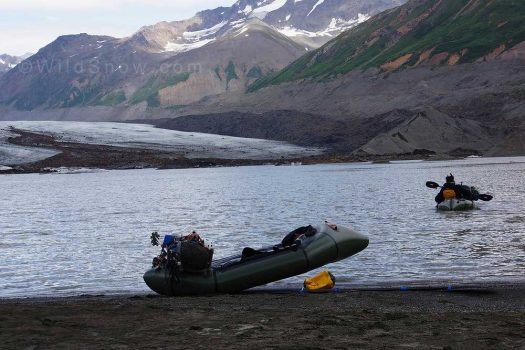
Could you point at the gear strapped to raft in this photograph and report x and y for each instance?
(187, 253)
(191, 254)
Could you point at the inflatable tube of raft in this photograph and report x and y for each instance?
(230, 275)
(456, 204)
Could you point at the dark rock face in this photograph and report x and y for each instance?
(399, 132)
(292, 126)
(396, 132)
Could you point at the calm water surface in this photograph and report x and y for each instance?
(89, 233)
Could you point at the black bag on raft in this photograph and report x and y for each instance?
(290, 238)
(194, 257)
(467, 192)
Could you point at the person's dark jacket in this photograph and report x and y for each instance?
(462, 192)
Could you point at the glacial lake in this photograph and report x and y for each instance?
(88, 233)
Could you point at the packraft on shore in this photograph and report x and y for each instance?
(185, 267)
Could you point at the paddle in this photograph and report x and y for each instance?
(486, 197)
(431, 184)
(483, 197)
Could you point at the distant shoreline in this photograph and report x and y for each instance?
(79, 155)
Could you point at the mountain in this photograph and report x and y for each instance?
(8, 62)
(420, 33)
(173, 64)
(460, 63)
(72, 70)
(79, 70)
(227, 65)
(428, 77)
(310, 22)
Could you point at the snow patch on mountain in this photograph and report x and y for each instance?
(333, 29)
(238, 24)
(199, 34)
(339, 24)
(194, 39)
(247, 10)
(178, 48)
(320, 2)
(262, 11)
(294, 32)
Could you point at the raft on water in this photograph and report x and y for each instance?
(456, 204)
(303, 250)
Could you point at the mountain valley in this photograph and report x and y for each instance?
(394, 79)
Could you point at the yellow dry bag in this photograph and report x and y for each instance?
(322, 281)
(449, 194)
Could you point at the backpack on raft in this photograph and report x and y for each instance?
(189, 254)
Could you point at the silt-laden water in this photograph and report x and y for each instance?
(89, 233)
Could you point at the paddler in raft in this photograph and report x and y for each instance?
(450, 190)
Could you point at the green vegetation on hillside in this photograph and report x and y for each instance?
(255, 73)
(113, 99)
(462, 31)
(150, 91)
(77, 97)
(230, 72)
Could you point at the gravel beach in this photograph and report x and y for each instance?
(468, 319)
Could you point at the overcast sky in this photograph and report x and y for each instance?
(28, 25)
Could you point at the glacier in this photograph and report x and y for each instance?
(141, 136)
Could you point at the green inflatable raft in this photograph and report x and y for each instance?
(456, 204)
(303, 250)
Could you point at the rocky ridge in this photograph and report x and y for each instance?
(85, 70)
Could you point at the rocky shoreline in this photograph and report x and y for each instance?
(80, 155)
(468, 319)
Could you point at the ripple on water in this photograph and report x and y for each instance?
(89, 232)
(515, 220)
